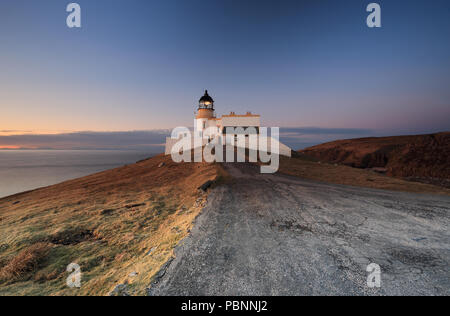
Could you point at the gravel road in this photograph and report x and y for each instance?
(280, 235)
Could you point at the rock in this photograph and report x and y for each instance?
(163, 269)
(151, 250)
(157, 278)
(133, 274)
(205, 186)
(134, 205)
(106, 212)
(162, 164)
(120, 290)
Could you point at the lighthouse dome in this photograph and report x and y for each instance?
(206, 102)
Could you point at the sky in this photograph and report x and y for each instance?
(306, 66)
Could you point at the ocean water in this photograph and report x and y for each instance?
(23, 170)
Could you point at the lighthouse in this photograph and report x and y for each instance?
(208, 127)
(205, 118)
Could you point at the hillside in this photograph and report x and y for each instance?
(119, 225)
(422, 157)
(305, 168)
(122, 225)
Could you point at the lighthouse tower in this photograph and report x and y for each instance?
(205, 117)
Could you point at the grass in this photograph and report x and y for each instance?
(311, 169)
(107, 223)
(125, 220)
(24, 262)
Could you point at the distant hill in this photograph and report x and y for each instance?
(421, 157)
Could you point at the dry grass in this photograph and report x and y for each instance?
(112, 223)
(124, 220)
(340, 174)
(416, 156)
(25, 262)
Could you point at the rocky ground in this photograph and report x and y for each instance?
(280, 235)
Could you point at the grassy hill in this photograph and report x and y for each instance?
(421, 157)
(119, 225)
(309, 168)
(122, 225)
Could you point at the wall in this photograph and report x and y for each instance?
(283, 149)
(241, 121)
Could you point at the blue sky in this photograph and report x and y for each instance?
(142, 65)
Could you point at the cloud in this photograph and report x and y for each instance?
(12, 131)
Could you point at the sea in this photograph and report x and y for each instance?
(23, 170)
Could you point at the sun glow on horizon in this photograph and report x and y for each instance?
(34, 132)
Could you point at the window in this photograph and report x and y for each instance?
(204, 125)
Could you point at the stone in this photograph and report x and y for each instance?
(151, 250)
(107, 212)
(205, 186)
(120, 290)
(159, 275)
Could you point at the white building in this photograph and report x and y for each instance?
(208, 127)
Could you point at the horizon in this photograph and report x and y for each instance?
(154, 140)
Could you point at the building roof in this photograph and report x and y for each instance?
(248, 114)
(206, 98)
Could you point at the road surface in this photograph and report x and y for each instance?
(280, 235)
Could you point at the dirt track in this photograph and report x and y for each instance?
(279, 235)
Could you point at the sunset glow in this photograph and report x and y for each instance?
(9, 147)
